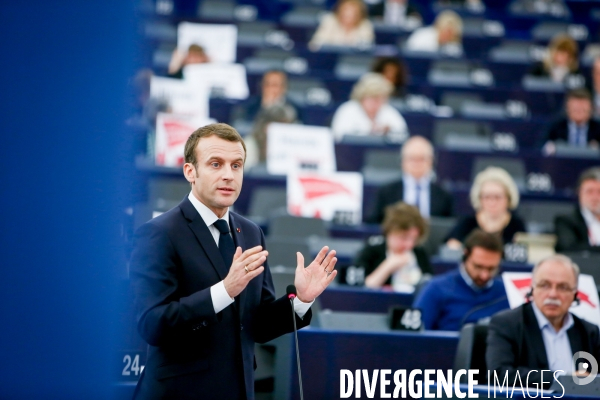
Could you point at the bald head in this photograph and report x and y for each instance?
(417, 157)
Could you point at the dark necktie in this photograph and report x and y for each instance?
(418, 196)
(226, 246)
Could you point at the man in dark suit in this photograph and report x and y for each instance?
(577, 128)
(416, 186)
(204, 292)
(580, 230)
(542, 334)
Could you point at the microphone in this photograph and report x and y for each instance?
(291, 294)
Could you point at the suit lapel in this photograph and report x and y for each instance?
(575, 338)
(205, 238)
(536, 341)
(238, 240)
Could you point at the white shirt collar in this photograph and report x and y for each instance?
(206, 213)
(543, 321)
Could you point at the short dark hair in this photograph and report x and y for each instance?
(401, 217)
(581, 94)
(220, 130)
(402, 77)
(488, 241)
(590, 174)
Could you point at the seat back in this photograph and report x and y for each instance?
(470, 353)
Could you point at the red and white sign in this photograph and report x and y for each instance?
(172, 131)
(292, 148)
(518, 285)
(219, 41)
(336, 195)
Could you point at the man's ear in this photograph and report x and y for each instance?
(189, 172)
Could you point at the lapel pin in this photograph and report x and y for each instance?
(239, 230)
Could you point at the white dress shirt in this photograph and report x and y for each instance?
(409, 195)
(593, 226)
(218, 293)
(558, 347)
(351, 119)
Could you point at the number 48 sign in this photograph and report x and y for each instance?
(405, 319)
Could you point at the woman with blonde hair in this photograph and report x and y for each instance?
(396, 258)
(494, 195)
(368, 111)
(348, 25)
(446, 31)
(561, 60)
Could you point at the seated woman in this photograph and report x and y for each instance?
(194, 55)
(394, 70)
(561, 60)
(444, 34)
(493, 194)
(395, 258)
(348, 25)
(368, 111)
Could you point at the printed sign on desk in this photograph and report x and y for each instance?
(518, 285)
(226, 80)
(172, 131)
(182, 97)
(330, 196)
(293, 148)
(218, 41)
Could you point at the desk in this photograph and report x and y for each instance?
(348, 298)
(324, 353)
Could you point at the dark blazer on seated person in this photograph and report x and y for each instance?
(572, 233)
(194, 353)
(441, 203)
(373, 254)
(515, 344)
(559, 131)
(467, 224)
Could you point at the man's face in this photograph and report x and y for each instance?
(482, 265)
(417, 160)
(554, 288)
(579, 110)
(217, 178)
(399, 242)
(273, 87)
(589, 195)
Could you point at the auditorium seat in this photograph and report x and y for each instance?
(470, 353)
(539, 215)
(438, 229)
(266, 202)
(288, 226)
(514, 166)
(222, 10)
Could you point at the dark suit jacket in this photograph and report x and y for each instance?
(560, 131)
(572, 233)
(441, 203)
(515, 344)
(193, 352)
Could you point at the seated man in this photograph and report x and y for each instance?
(468, 294)
(580, 230)
(542, 334)
(416, 186)
(577, 128)
(273, 93)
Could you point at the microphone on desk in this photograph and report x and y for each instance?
(291, 294)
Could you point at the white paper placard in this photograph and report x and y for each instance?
(518, 285)
(329, 196)
(172, 131)
(230, 79)
(218, 41)
(292, 147)
(183, 97)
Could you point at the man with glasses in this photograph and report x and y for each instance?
(542, 334)
(468, 294)
(416, 186)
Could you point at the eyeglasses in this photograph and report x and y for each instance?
(496, 197)
(561, 288)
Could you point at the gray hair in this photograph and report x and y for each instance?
(371, 84)
(560, 258)
(590, 174)
(499, 175)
